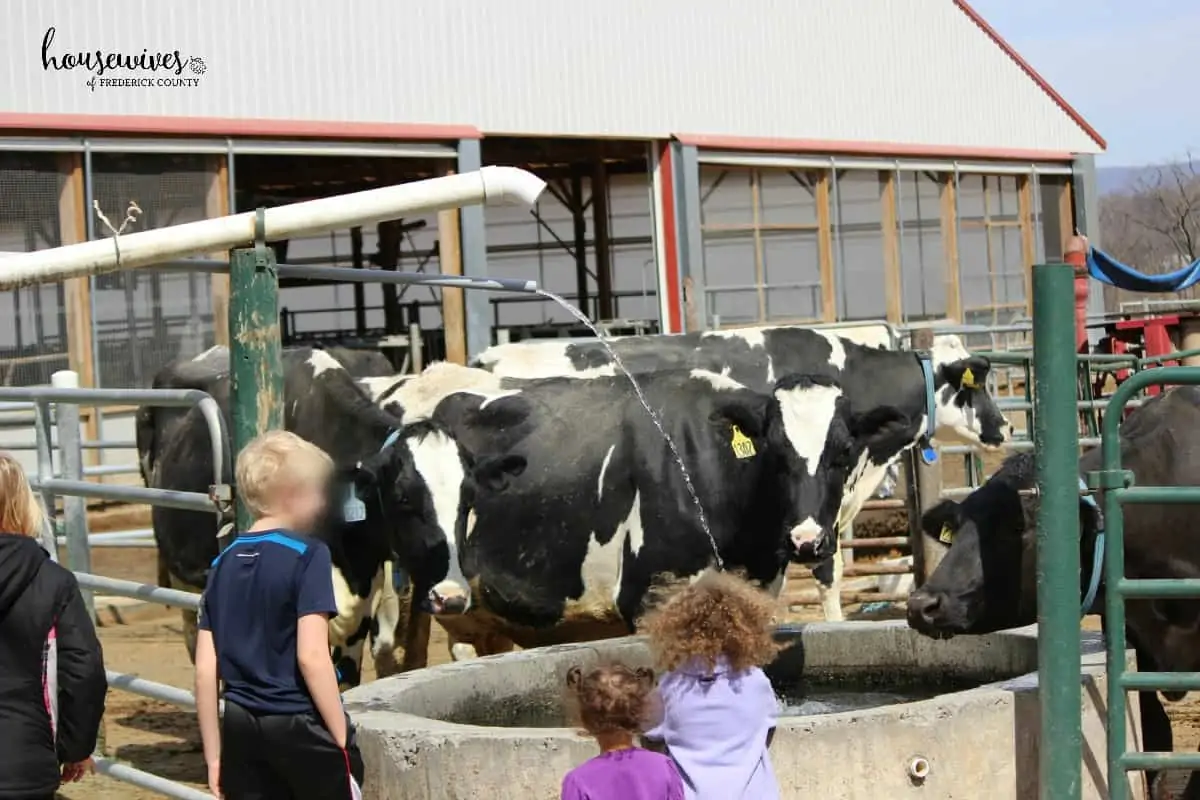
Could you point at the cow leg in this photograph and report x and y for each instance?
(416, 639)
(829, 586)
(191, 627)
(389, 614)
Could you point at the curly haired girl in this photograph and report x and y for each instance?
(719, 710)
(614, 704)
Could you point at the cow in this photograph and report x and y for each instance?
(413, 480)
(946, 397)
(362, 363)
(569, 548)
(986, 580)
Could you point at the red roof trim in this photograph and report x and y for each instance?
(879, 149)
(217, 126)
(1031, 72)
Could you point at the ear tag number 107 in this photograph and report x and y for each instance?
(741, 444)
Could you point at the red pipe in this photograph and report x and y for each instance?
(1076, 256)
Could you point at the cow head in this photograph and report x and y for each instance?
(964, 409)
(987, 580)
(424, 484)
(812, 441)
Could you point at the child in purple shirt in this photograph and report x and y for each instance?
(614, 703)
(718, 707)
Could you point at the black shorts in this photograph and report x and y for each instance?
(285, 757)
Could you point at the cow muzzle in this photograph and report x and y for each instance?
(449, 598)
(925, 611)
(811, 542)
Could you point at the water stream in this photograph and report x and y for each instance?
(654, 417)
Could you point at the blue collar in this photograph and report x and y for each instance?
(1097, 552)
(928, 454)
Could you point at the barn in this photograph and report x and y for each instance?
(820, 161)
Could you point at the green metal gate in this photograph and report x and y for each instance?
(1056, 438)
(1119, 491)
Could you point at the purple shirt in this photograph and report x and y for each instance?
(633, 774)
(715, 726)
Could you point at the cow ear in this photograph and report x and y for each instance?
(494, 473)
(747, 414)
(574, 677)
(967, 373)
(942, 521)
(881, 426)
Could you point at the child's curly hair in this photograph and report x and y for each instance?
(613, 698)
(718, 615)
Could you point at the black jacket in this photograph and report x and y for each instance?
(52, 683)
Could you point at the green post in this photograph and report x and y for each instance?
(255, 352)
(1056, 442)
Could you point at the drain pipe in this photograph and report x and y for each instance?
(918, 768)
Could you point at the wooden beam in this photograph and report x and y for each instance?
(760, 267)
(949, 225)
(1028, 243)
(77, 292)
(454, 317)
(825, 248)
(893, 281)
(216, 204)
(1066, 214)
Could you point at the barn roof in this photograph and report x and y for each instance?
(886, 75)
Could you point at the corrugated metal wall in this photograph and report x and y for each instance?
(897, 71)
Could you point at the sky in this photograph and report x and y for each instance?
(1128, 66)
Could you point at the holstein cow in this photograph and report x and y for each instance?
(414, 483)
(568, 549)
(987, 579)
(943, 397)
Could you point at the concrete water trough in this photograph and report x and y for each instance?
(874, 711)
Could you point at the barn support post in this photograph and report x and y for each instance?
(358, 261)
(675, 190)
(453, 301)
(255, 357)
(217, 204)
(923, 483)
(473, 252)
(579, 226)
(602, 240)
(1056, 443)
(1085, 196)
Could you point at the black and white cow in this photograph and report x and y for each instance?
(987, 580)
(569, 549)
(414, 480)
(947, 401)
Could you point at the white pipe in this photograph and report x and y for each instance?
(492, 185)
(918, 768)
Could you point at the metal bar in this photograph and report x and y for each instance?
(138, 495)
(1056, 437)
(256, 352)
(1157, 588)
(112, 469)
(145, 780)
(1160, 681)
(488, 185)
(142, 591)
(166, 398)
(1159, 495)
(882, 541)
(155, 691)
(143, 544)
(45, 473)
(1156, 761)
(79, 555)
(877, 569)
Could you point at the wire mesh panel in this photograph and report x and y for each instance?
(144, 319)
(33, 328)
(992, 265)
(922, 249)
(859, 243)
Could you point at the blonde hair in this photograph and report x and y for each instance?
(20, 511)
(275, 461)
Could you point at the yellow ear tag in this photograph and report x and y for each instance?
(742, 446)
(946, 536)
(968, 379)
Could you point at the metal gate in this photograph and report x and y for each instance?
(1119, 490)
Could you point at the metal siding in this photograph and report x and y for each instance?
(895, 71)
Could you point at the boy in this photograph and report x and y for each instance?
(264, 632)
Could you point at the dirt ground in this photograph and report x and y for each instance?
(147, 640)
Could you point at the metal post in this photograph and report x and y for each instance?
(1056, 442)
(75, 523)
(45, 472)
(255, 357)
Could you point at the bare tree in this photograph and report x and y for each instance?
(1154, 226)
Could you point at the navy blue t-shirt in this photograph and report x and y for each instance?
(258, 589)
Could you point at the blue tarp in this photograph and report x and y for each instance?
(1107, 269)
